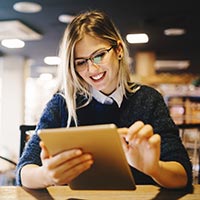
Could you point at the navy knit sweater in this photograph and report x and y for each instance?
(147, 105)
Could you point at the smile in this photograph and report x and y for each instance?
(98, 76)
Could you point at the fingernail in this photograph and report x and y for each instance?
(90, 162)
(78, 152)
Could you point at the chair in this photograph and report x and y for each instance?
(190, 134)
(7, 176)
(24, 136)
(7, 169)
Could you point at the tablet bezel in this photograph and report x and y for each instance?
(110, 170)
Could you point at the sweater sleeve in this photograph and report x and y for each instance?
(148, 105)
(53, 116)
(172, 148)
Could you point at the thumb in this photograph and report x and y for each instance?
(122, 133)
(44, 152)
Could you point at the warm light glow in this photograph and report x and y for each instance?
(137, 38)
(27, 7)
(52, 60)
(46, 77)
(13, 43)
(64, 18)
(172, 64)
(174, 31)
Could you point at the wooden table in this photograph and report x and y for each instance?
(65, 193)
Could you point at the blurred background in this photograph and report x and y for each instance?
(165, 56)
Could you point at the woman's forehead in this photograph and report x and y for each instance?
(89, 44)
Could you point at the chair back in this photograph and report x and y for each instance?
(24, 136)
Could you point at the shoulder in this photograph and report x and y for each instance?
(151, 92)
(54, 114)
(56, 104)
(147, 97)
(146, 92)
(57, 98)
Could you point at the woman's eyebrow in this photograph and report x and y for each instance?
(90, 54)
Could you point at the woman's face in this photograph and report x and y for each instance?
(97, 63)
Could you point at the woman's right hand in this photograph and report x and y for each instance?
(62, 168)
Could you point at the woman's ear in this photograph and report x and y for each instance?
(119, 50)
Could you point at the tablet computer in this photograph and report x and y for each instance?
(110, 170)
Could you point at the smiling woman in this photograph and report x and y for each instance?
(96, 89)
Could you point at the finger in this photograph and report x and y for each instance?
(44, 152)
(64, 156)
(72, 164)
(122, 131)
(133, 130)
(144, 133)
(78, 160)
(68, 175)
(80, 169)
(154, 141)
(67, 171)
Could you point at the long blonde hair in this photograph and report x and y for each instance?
(96, 24)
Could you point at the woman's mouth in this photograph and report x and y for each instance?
(98, 76)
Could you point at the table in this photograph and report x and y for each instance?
(143, 192)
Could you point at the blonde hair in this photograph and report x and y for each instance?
(96, 24)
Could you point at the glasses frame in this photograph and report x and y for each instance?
(91, 58)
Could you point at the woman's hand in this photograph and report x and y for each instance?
(62, 168)
(142, 150)
(141, 147)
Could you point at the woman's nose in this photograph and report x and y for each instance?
(92, 66)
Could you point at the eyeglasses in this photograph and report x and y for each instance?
(97, 58)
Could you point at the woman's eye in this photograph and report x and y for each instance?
(80, 63)
(99, 57)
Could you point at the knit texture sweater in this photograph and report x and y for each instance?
(146, 104)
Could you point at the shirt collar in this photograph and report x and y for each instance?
(116, 96)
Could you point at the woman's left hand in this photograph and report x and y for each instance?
(141, 147)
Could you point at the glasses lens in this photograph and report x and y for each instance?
(99, 58)
(81, 63)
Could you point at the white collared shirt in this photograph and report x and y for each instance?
(116, 96)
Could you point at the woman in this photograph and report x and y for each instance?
(97, 90)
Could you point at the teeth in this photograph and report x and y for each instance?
(97, 77)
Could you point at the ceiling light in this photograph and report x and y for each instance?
(52, 60)
(16, 29)
(12, 43)
(172, 64)
(27, 7)
(174, 31)
(46, 76)
(137, 38)
(65, 18)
